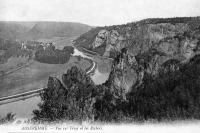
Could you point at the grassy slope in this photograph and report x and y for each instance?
(13, 63)
(35, 76)
(36, 30)
(60, 42)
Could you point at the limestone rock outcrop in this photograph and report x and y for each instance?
(100, 38)
(150, 44)
(110, 39)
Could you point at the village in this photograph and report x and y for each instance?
(36, 44)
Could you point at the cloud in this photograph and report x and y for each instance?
(95, 12)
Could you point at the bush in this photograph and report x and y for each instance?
(72, 102)
(7, 119)
(171, 95)
(53, 56)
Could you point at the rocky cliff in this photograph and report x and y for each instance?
(146, 46)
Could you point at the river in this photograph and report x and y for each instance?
(97, 77)
(24, 108)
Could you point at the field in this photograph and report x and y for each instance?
(12, 64)
(60, 42)
(36, 75)
(2, 52)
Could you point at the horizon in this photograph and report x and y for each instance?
(36, 21)
(95, 12)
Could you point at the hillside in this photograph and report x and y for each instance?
(143, 47)
(154, 76)
(40, 30)
(172, 95)
(55, 29)
(11, 30)
(136, 35)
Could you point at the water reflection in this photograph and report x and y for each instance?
(98, 77)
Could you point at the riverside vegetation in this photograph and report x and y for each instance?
(154, 76)
(172, 95)
(27, 56)
(49, 55)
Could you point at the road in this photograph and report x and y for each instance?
(94, 53)
(94, 64)
(25, 95)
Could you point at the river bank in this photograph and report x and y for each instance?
(91, 70)
(92, 53)
(28, 94)
(36, 76)
(29, 100)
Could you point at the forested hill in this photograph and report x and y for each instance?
(56, 29)
(136, 36)
(39, 30)
(144, 47)
(154, 76)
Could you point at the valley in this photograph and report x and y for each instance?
(134, 72)
(21, 68)
(36, 76)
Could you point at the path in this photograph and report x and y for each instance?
(28, 93)
(94, 53)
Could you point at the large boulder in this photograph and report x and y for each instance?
(149, 43)
(159, 44)
(111, 40)
(100, 38)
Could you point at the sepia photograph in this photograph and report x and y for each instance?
(99, 66)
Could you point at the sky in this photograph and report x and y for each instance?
(95, 12)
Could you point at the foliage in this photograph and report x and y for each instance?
(13, 49)
(141, 35)
(68, 49)
(7, 119)
(173, 94)
(72, 102)
(6, 44)
(53, 56)
(86, 39)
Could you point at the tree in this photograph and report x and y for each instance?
(72, 102)
(7, 119)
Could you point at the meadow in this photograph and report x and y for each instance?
(36, 75)
(59, 42)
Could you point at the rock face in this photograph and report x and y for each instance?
(123, 75)
(110, 39)
(148, 45)
(100, 38)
